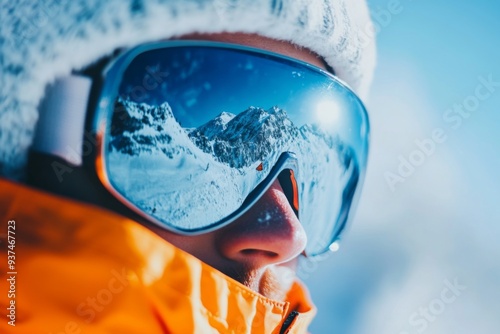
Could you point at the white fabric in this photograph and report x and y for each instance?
(43, 40)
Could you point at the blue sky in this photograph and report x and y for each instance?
(195, 83)
(441, 225)
(448, 45)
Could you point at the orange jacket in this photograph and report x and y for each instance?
(80, 269)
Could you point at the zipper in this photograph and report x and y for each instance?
(288, 322)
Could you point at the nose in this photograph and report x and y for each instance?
(269, 233)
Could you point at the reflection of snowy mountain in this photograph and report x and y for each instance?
(216, 126)
(251, 136)
(141, 128)
(236, 140)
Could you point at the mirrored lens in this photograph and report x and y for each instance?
(194, 130)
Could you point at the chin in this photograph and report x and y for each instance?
(277, 282)
(273, 282)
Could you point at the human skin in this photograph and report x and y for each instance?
(262, 256)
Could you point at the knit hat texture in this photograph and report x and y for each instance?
(44, 40)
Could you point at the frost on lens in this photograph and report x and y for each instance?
(194, 177)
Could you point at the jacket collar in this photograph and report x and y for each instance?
(91, 247)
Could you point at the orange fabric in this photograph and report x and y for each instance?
(81, 269)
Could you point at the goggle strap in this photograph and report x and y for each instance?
(61, 122)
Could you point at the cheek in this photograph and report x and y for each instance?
(200, 246)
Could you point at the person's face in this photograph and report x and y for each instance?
(261, 248)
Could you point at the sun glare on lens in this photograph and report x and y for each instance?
(334, 247)
(327, 112)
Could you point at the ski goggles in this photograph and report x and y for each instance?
(192, 134)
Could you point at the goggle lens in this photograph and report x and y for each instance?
(194, 133)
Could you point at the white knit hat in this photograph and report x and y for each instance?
(43, 40)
